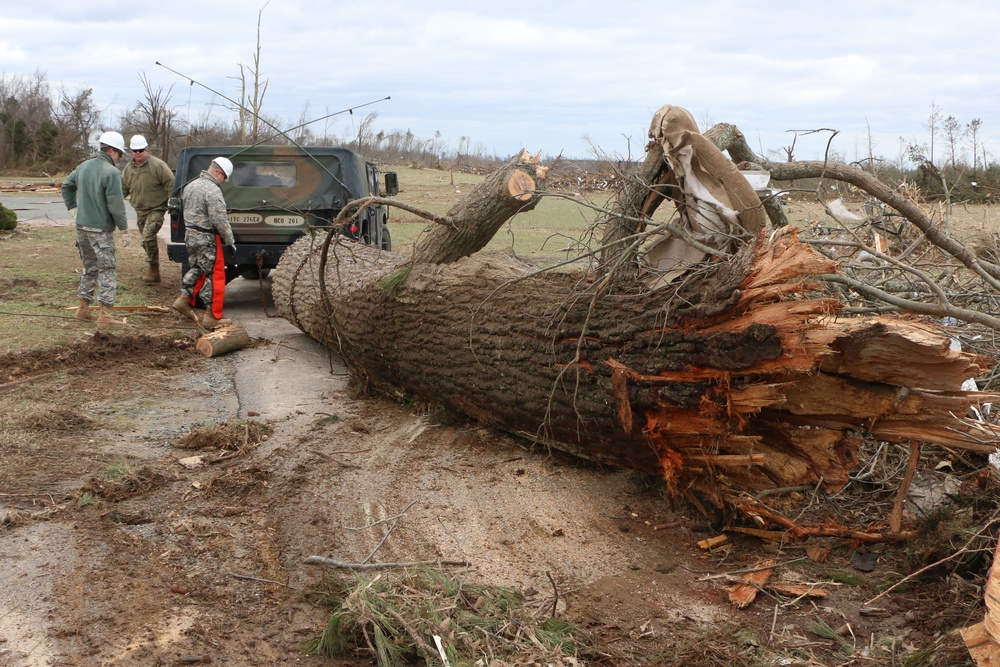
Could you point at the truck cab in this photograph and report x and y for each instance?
(277, 194)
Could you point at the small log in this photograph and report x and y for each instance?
(132, 309)
(713, 542)
(221, 341)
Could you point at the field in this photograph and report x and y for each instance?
(118, 548)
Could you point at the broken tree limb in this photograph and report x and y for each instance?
(330, 562)
(729, 138)
(475, 219)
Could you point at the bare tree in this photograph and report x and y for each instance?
(255, 99)
(152, 116)
(26, 116)
(933, 122)
(870, 145)
(972, 131)
(365, 134)
(952, 133)
(78, 116)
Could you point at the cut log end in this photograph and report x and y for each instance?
(520, 186)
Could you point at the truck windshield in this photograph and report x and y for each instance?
(263, 174)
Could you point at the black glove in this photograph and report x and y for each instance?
(232, 247)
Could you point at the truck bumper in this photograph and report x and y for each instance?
(246, 254)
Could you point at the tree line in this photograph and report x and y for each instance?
(48, 129)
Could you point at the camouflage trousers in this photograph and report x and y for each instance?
(150, 223)
(205, 281)
(97, 251)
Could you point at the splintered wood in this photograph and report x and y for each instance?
(743, 593)
(983, 639)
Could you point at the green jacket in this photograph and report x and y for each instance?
(94, 189)
(147, 186)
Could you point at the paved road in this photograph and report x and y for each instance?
(43, 208)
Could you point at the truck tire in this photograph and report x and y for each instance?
(386, 240)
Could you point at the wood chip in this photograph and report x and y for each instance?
(744, 593)
(713, 542)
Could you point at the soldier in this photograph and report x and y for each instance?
(93, 195)
(206, 230)
(146, 184)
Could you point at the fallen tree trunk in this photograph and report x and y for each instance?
(735, 381)
(725, 369)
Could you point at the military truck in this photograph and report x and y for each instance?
(276, 194)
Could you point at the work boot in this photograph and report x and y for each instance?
(210, 321)
(152, 273)
(83, 311)
(106, 317)
(181, 305)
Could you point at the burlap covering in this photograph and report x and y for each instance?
(715, 203)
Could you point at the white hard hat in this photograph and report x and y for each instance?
(225, 165)
(113, 139)
(138, 143)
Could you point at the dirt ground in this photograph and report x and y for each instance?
(113, 552)
(149, 518)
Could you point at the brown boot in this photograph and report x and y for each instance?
(83, 311)
(181, 305)
(209, 321)
(107, 317)
(152, 273)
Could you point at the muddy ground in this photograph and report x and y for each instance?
(158, 507)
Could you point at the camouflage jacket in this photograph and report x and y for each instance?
(94, 189)
(147, 186)
(205, 208)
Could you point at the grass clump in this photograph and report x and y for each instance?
(396, 619)
(8, 219)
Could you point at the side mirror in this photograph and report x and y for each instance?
(391, 184)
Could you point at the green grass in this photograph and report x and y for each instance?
(117, 471)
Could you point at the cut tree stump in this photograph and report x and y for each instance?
(223, 340)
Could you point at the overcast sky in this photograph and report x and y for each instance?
(559, 77)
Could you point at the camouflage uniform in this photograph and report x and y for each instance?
(206, 231)
(94, 189)
(147, 187)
